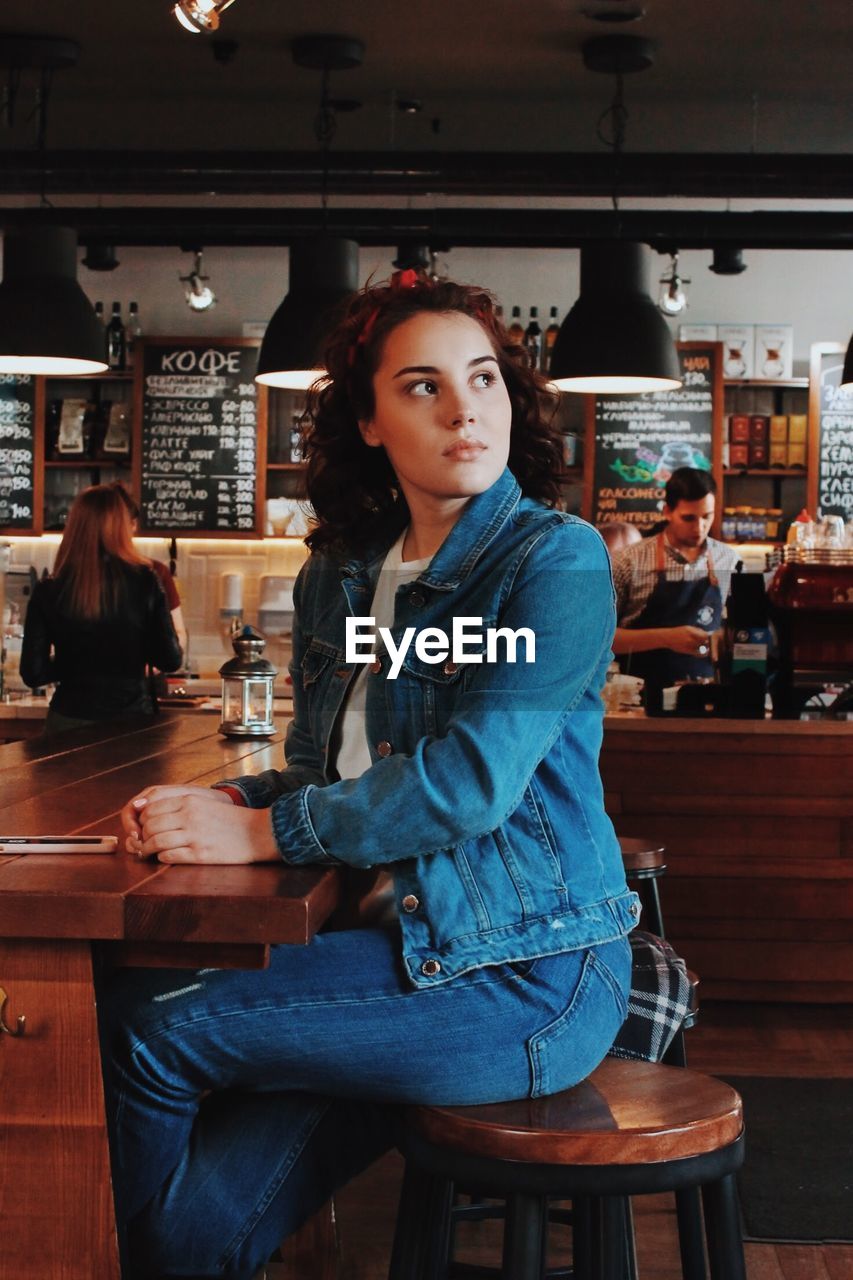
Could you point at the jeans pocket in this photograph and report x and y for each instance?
(573, 1044)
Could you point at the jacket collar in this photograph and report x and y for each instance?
(466, 542)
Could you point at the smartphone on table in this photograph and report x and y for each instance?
(58, 844)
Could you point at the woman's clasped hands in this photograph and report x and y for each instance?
(196, 824)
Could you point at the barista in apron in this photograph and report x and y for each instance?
(694, 602)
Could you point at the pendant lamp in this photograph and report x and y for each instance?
(847, 371)
(323, 276)
(614, 339)
(47, 324)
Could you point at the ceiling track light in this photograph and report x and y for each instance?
(199, 295)
(673, 300)
(200, 15)
(727, 261)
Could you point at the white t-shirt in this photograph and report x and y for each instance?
(353, 752)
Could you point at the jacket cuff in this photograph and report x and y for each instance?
(294, 832)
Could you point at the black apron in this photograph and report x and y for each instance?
(679, 602)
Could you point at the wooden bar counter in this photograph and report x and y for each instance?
(757, 819)
(56, 1213)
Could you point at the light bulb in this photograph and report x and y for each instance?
(673, 299)
(200, 15)
(200, 296)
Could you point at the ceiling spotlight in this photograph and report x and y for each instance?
(673, 299)
(100, 257)
(199, 295)
(727, 261)
(200, 15)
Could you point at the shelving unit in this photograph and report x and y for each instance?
(782, 488)
(65, 477)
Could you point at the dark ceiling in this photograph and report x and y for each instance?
(745, 99)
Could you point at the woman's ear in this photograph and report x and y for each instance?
(368, 433)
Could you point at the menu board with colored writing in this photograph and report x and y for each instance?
(17, 451)
(635, 442)
(198, 409)
(830, 488)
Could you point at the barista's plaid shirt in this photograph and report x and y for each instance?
(635, 573)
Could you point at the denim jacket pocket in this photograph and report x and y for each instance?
(596, 1012)
(317, 661)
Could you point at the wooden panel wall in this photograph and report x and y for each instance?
(758, 825)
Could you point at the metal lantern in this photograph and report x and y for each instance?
(247, 688)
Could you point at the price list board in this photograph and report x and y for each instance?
(635, 442)
(19, 451)
(201, 438)
(830, 471)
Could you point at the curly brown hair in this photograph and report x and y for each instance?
(351, 486)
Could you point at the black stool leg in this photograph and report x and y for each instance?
(653, 908)
(421, 1235)
(525, 1237)
(688, 1207)
(723, 1230)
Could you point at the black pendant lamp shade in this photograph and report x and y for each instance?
(323, 275)
(47, 324)
(614, 339)
(847, 372)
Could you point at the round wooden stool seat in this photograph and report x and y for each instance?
(624, 1113)
(631, 1128)
(642, 856)
(643, 860)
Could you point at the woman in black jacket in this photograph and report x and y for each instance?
(93, 627)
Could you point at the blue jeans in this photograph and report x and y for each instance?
(240, 1100)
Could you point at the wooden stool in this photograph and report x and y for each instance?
(630, 1128)
(644, 862)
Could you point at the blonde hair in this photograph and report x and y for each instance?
(96, 544)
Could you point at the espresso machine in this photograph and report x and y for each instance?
(811, 606)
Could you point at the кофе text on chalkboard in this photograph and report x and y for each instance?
(16, 450)
(639, 440)
(831, 428)
(199, 437)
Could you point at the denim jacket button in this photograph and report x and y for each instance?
(376, 667)
(634, 910)
(417, 599)
(410, 902)
(450, 668)
(384, 748)
(430, 968)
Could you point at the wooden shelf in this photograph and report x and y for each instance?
(285, 466)
(87, 464)
(784, 383)
(765, 471)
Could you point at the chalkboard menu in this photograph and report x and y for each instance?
(635, 442)
(199, 457)
(17, 450)
(830, 487)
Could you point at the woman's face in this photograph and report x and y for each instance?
(442, 411)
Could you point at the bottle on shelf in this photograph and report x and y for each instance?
(99, 312)
(516, 328)
(116, 342)
(133, 332)
(550, 338)
(533, 339)
(296, 438)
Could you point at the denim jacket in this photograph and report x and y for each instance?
(484, 793)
